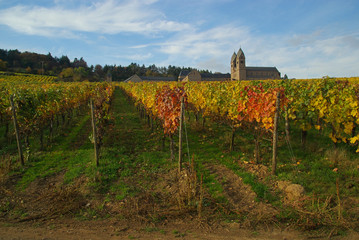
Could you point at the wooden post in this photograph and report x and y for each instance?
(172, 148)
(151, 119)
(94, 131)
(275, 134)
(180, 137)
(303, 138)
(163, 142)
(19, 147)
(41, 139)
(203, 121)
(51, 129)
(256, 150)
(287, 126)
(6, 134)
(200, 198)
(339, 202)
(231, 147)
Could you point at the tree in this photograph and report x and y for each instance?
(13, 57)
(3, 65)
(98, 71)
(79, 63)
(80, 74)
(67, 74)
(64, 62)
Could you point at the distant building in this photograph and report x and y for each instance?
(239, 70)
(136, 78)
(109, 76)
(194, 75)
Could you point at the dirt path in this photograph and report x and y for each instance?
(110, 229)
(114, 229)
(242, 198)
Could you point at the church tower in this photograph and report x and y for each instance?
(238, 66)
(234, 75)
(241, 62)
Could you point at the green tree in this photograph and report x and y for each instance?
(3, 65)
(67, 74)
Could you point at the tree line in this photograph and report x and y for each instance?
(78, 69)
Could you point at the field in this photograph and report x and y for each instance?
(225, 186)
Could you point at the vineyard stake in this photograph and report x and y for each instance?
(17, 131)
(303, 139)
(340, 216)
(180, 137)
(94, 131)
(231, 148)
(275, 134)
(287, 126)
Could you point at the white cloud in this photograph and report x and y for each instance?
(212, 63)
(139, 57)
(315, 54)
(108, 17)
(302, 39)
(217, 43)
(321, 55)
(310, 54)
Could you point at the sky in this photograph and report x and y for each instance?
(302, 38)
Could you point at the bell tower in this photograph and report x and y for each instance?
(238, 66)
(241, 63)
(234, 66)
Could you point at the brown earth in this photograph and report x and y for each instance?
(50, 209)
(47, 209)
(115, 229)
(242, 198)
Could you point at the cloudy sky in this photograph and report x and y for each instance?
(302, 38)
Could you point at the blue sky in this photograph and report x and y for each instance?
(302, 38)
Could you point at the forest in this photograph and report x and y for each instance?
(78, 69)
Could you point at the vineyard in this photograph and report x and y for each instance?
(98, 151)
(25, 78)
(37, 107)
(329, 105)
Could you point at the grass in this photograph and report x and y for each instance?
(211, 147)
(60, 157)
(214, 187)
(313, 166)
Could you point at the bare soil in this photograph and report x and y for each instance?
(47, 209)
(110, 229)
(114, 229)
(242, 198)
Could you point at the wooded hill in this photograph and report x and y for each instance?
(78, 69)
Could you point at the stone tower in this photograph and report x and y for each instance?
(234, 74)
(238, 66)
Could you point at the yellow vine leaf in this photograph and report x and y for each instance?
(354, 139)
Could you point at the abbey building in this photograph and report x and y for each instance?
(239, 70)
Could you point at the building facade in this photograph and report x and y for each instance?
(194, 75)
(135, 78)
(239, 70)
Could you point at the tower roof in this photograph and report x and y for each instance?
(240, 53)
(233, 56)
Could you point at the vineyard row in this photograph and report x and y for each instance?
(321, 104)
(38, 106)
